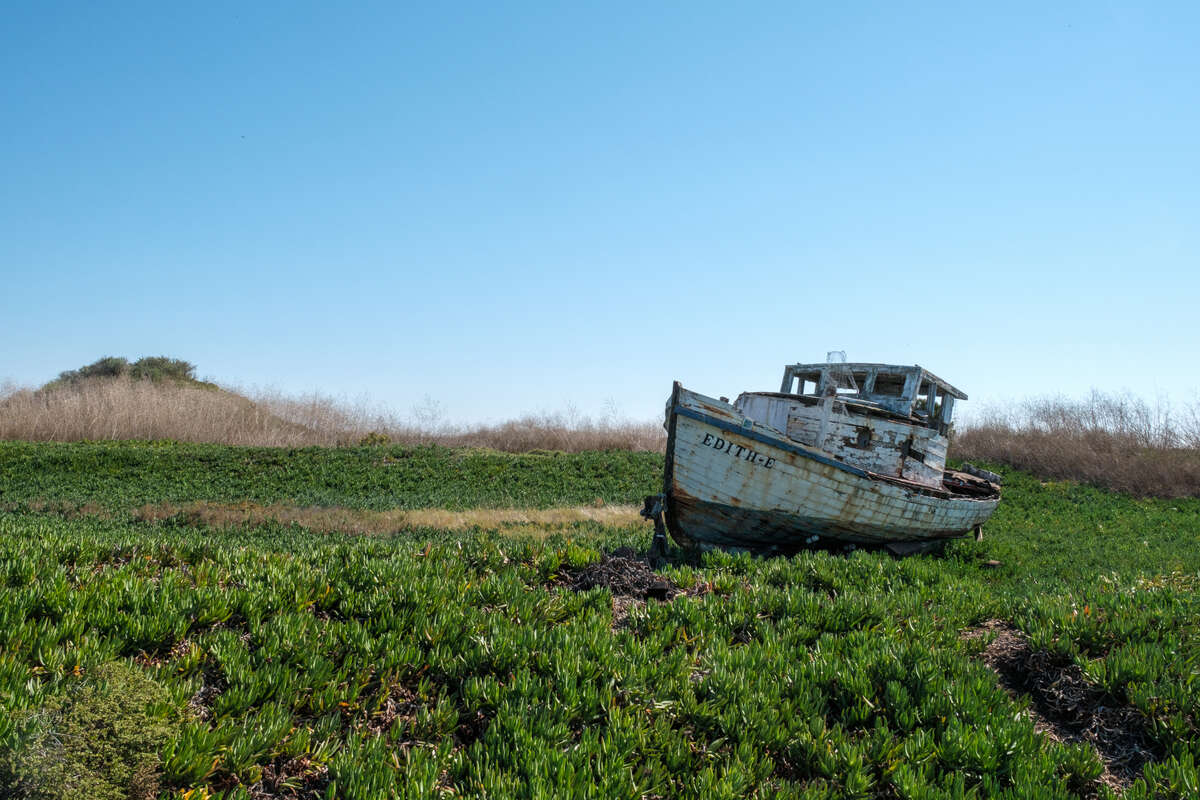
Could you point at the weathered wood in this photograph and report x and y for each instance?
(872, 380)
(801, 423)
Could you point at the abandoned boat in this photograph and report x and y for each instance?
(844, 454)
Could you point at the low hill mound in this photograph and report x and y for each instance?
(155, 397)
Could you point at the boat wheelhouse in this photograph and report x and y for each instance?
(890, 420)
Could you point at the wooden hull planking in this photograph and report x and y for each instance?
(735, 483)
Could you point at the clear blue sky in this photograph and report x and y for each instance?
(513, 207)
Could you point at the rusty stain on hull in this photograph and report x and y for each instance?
(732, 480)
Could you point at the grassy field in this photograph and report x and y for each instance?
(522, 659)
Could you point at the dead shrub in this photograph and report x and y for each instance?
(549, 432)
(1117, 442)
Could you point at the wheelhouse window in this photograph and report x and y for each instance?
(889, 385)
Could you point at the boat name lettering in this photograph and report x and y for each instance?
(737, 450)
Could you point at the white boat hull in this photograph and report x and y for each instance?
(731, 482)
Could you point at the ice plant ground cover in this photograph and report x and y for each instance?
(122, 475)
(527, 660)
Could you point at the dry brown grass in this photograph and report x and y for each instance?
(327, 519)
(346, 520)
(549, 432)
(1118, 442)
(124, 409)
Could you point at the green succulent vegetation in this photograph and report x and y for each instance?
(120, 475)
(437, 663)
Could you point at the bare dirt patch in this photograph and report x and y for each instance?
(1066, 706)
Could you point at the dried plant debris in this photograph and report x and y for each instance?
(401, 702)
(623, 573)
(628, 576)
(291, 779)
(1066, 706)
(212, 685)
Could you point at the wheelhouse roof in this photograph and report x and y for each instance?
(813, 370)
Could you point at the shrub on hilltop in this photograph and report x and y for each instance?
(156, 369)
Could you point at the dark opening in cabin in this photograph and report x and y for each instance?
(889, 385)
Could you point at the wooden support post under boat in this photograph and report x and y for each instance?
(652, 509)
